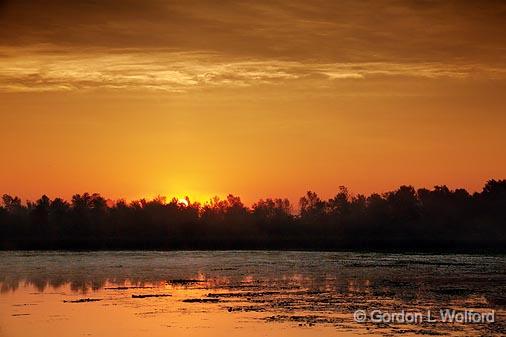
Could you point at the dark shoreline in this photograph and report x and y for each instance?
(405, 220)
(499, 249)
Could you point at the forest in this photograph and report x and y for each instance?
(437, 219)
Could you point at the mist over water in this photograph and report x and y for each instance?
(276, 290)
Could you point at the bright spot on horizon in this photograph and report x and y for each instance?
(183, 202)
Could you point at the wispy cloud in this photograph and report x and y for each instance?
(175, 46)
(43, 70)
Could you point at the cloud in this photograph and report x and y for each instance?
(47, 69)
(177, 46)
(327, 31)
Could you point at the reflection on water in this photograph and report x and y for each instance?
(248, 293)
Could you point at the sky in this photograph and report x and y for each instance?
(260, 99)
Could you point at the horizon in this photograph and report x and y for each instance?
(201, 198)
(185, 200)
(401, 219)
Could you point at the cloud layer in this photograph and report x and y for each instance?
(37, 70)
(176, 46)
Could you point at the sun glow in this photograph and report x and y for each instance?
(183, 202)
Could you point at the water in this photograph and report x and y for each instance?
(242, 293)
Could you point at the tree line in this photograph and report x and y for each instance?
(403, 219)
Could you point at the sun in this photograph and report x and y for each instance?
(183, 202)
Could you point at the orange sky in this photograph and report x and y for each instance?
(134, 99)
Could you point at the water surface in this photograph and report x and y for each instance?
(242, 293)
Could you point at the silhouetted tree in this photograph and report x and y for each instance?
(404, 218)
